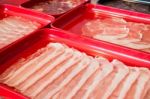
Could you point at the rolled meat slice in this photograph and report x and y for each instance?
(105, 70)
(138, 45)
(27, 69)
(70, 75)
(20, 65)
(56, 72)
(143, 84)
(46, 68)
(125, 86)
(121, 72)
(68, 92)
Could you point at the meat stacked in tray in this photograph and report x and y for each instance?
(59, 72)
(119, 31)
(15, 27)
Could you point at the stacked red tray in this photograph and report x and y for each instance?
(67, 31)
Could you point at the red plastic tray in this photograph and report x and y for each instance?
(13, 2)
(30, 3)
(6, 10)
(73, 21)
(92, 47)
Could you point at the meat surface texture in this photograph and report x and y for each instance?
(14, 27)
(57, 71)
(119, 31)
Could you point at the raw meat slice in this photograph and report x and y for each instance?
(55, 73)
(46, 69)
(138, 45)
(21, 74)
(97, 92)
(112, 39)
(15, 27)
(64, 79)
(142, 84)
(110, 27)
(58, 49)
(139, 88)
(75, 88)
(121, 72)
(118, 31)
(72, 88)
(84, 88)
(147, 96)
(92, 27)
(102, 60)
(114, 20)
(11, 21)
(11, 70)
(116, 34)
(105, 70)
(126, 84)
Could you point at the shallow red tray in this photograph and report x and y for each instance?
(73, 21)
(30, 3)
(92, 47)
(6, 10)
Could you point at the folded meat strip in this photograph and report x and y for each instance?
(121, 91)
(27, 69)
(76, 83)
(118, 31)
(65, 79)
(20, 65)
(139, 89)
(105, 69)
(84, 88)
(92, 79)
(53, 51)
(56, 72)
(147, 96)
(138, 45)
(129, 81)
(142, 84)
(31, 91)
(15, 27)
(99, 89)
(121, 72)
(68, 94)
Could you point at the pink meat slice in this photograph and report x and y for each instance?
(77, 86)
(125, 86)
(14, 27)
(110, 27)
(121, 72)
(100, 88)
(89, 81)
(114, 20)
(27, 69)
(84, 88)
(49, 56)
(23, 26)
(11, 71)
(46, 68)
(143, 84)
(68, 86)
(22, 23)
(147, 96)
(138, 45)
(61, 82)
(105, 70)
(92, 27)
(56, 72)
(139, 89)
